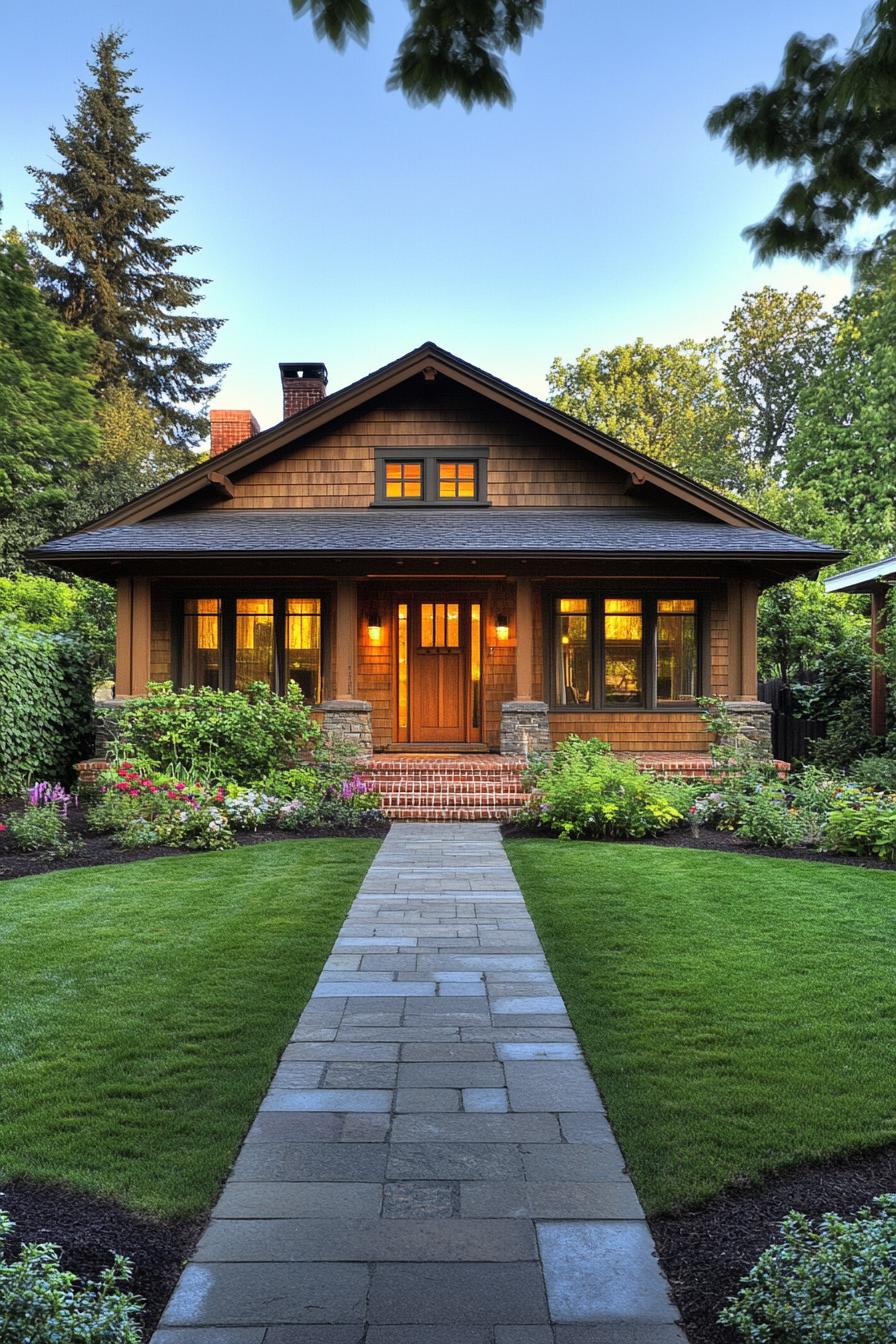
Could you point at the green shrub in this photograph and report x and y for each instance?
(830, 1283)
(142, 810)
(862, 822)
(39, 830)
(231, 737)
(766, 819)
(41, 1303)
(46, 706)
(875, 772)
(592, 794)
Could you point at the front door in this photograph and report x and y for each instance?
(444, 664)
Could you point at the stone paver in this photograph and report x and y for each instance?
(432, 1163)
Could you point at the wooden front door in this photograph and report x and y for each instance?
(443, 669)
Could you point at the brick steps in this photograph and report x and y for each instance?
(447, 788)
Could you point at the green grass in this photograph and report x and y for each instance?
(143, 1008)
(739, 1012)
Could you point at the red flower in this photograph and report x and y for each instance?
(180, 786)
(135, 793)
(122, 786)
(170, 793)
(2, 825)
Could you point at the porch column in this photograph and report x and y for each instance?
(133, 637)
(878, 675)
(524, 639)
(753, 717)
(345, 719)
(346, 638)
(524, 722)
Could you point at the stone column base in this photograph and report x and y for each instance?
(349, 723)
(754, 725)
(524, 728)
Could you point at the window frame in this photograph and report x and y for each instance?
(649, 596)
(431, 459)
(280, 595)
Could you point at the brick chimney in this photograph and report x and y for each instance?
(230, 428)
(303, 386)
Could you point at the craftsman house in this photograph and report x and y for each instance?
(443, 564)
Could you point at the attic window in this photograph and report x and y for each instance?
(431, 476)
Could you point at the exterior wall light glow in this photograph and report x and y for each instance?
(374, 628)
(502, 626)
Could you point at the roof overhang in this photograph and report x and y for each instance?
(864, 578)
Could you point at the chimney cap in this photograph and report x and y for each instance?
(299, 370)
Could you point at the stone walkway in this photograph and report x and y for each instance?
(432, 1163)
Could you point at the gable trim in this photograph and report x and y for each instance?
(427, 358)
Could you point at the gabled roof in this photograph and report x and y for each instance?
(630, 533)
(645, 470)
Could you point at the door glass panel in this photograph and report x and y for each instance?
(303, 645)
(440, 625)
(573, 651)
(201, 665)
(403, 666)
(676, 650)
(476, 663)
(254, 641)
(623, 658)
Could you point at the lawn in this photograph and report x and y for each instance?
(739, 1012)
(143, 1008)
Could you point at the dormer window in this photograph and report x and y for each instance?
(431, 476)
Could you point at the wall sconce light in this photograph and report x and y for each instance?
(374, 628)
(502, 627)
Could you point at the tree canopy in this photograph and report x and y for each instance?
(668, 401)
(831, 120)
(104, 264)
(47, 427)
(452, 47)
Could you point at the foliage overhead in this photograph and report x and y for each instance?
(78, 607)
(47, 429)
(452, 47)
(106, 266)
(668, 401)
(831, 120)
(774, 345)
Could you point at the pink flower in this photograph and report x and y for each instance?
(180, 786)
(170, 793)
(135, 793)
(122, 786)
(2, 825)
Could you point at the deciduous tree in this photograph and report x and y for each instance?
(830, 120)
(452, 47)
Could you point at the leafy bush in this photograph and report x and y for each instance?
(226, 736)
(41, 1303)
(830, 1283)
(767, 819)
(875, 772)
(46, 706)
(587, 793)
(78, 607)
(862, 822)
(38, 830)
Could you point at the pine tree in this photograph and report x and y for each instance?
(107, 266)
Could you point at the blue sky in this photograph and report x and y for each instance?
(338, 223)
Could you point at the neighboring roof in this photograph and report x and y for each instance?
(863, 578)
(431, 357)
(410, 531)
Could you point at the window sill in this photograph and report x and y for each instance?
(686, 707)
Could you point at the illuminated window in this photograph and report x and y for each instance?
(476, 664)
(676, 650)
(573, 651)
(202, 642)
(303, 645)
(623, 652)
(254, 641)
(404, 480)
(403, 667)
(457, 480)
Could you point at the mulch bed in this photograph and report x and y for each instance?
(92, 1230)
(721, 841)
(705, 1252)
(100, 849)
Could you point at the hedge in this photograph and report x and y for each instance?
(46, 706)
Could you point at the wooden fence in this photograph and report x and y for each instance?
(791, 735)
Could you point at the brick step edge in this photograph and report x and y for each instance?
(449, 813)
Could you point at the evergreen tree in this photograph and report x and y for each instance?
(48, 433)
(107, 266)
